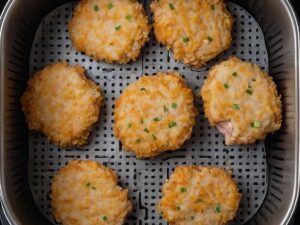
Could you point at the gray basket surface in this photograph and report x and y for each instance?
(144, 178)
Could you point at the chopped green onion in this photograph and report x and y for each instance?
(256, 124)
(172, 124)
(171, 6)
(104, 218)
(236, 106)
(94, 188)
(88, 184)
(142, 121)
(165, 109)
(226, 86)
(129, 125)
(209, 39)
(177, 208)
(154, 137)
(218, 209)
(174, 105)
(156, 119)
(249, 91)
(117, 28)
(96, 8)
(143, 89)
(138, 141)
(234, 74)
(254, 79)
(128, 17)
(185, 39)
(110, 5)
(199, 200)
(249, 86)
(146, 130)
(192, 217)
(213, 7)
(183, 189)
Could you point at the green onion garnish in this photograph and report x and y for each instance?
(192, 217)
(154, 137)
(165, 109)
(199, 200)
(171, 6)
(185, 39)
(256, 124)
(129, 125)
(104, 218)
(174, 105)
(218, 209)
(183, 189)
(178, 208)
(254, 79)
(142, 121)
(249, 91)
(94, 188)
(110, 5)
(143, 89)
(156, 119)
(226, 86)
(172, 124)
(138, 141)
(236, 106)
(117, 28)
(249, 86)
(234, 74)
(146, 130)
(209, 39)
(128, 17)
(213, 7)
(88, 184)
(96, 8)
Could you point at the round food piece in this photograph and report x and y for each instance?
(242, 101)
(109, 30)
(199, 195)
(155, 114)
(62, 103)
(196, 31)
(86, 192)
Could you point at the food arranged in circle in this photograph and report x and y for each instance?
(86, 192)
(109, 30)
(241, 100)
(196, 31)
(61, 102)
(155, 114)
(199, 195)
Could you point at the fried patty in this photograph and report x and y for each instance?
(242, 101)
(86, 192)
(62, 103)
(199, 195)
(109, 30)
(155, 114)
(196, 31)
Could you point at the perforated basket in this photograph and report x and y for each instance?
(34, 34)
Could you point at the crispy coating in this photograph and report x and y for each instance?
(196, 195)
(62, 103)
(86, 192)
(196, 31)
(242, 101)
(110, 30)
(155, 114)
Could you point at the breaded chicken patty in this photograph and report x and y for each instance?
(196, 31)
(62, 103)
(242, 101)
(86, 192)
(199, 195)
(155, 114)
(109, 30)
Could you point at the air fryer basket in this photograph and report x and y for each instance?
(19, 24)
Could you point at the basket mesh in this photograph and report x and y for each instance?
(144, 178)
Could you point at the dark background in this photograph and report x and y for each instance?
(296, 4)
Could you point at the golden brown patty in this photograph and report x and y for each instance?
(62, 103)
(155, 114)
(199, 195)
(242, 101)
(110, 30)
(86, 192)
(196, 31)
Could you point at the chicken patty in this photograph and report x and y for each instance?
(62, 103)
(155, 114)
(196, 31)
(109, 30)
(86, 192)
(242, 101)
(199, 195)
